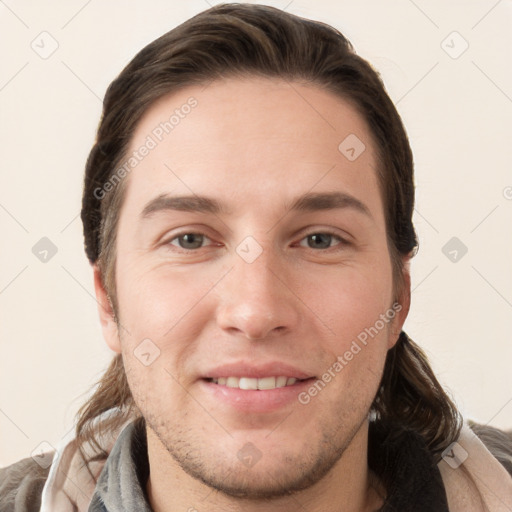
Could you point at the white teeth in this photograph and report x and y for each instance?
(267, 383)
(247, 383)
(250, 383)
(281, 382)
(232, 382)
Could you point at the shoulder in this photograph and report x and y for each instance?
(21, 485)
(474, 469)
(498, 442)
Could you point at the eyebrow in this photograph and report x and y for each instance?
(308, 202)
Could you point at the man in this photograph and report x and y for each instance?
(247, 212)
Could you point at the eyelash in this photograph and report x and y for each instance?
(341, 241)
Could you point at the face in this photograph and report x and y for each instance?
(254, 283)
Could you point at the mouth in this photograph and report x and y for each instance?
(256, 384)
(248, 388)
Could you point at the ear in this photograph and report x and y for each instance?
(402, 304)
(106, 313)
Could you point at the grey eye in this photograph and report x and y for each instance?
(319, 240)
(190, 240)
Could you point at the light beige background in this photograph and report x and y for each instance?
(458, 113)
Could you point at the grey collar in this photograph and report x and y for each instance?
(121, 486)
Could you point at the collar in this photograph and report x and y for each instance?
(122, 483)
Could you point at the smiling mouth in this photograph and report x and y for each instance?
(251, 383)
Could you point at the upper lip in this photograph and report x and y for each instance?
(256, 371)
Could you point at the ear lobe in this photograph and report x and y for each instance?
(404, 302)
(106, 313)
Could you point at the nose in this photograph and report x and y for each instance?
(257, 299)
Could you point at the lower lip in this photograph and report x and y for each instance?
(252, 400)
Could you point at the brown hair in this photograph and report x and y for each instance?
(253, 40)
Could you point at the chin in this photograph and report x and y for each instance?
(256, 470)
(263, 481)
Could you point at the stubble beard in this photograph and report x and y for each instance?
(287, 473)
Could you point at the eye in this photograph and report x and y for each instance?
(188, 241)
(318, 240)
(322, 240)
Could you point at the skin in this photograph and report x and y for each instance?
(255, 145)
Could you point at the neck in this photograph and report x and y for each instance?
(349, 486)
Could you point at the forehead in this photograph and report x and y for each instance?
(255, 136)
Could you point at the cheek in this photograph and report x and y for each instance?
(144, 293)
(350, 301)
(358, 312)
(152, 383)
(163, 304)
(362, 313)
(161, 320)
